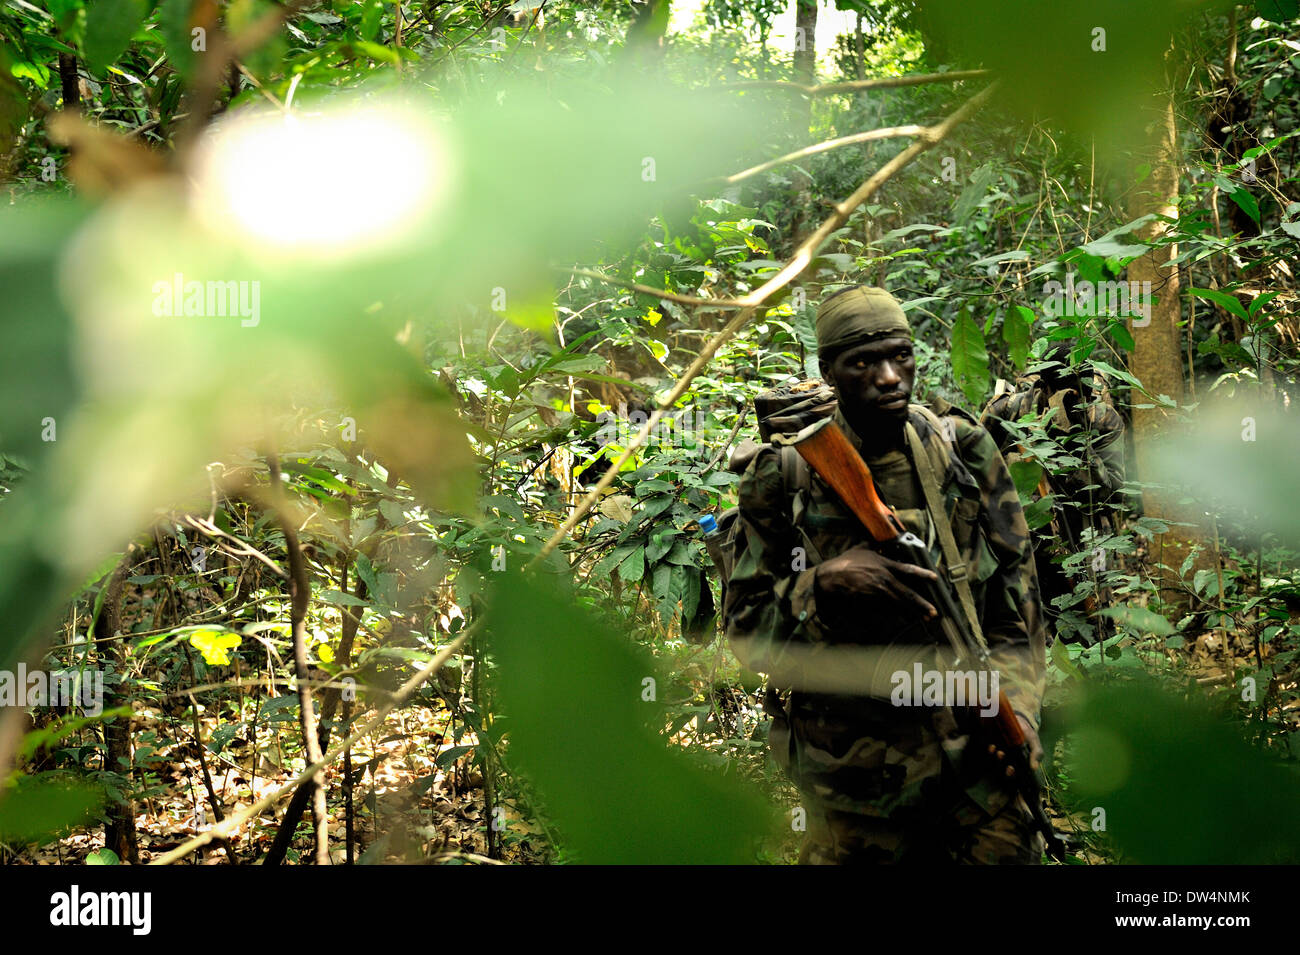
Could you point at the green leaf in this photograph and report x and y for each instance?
(449, 756)
(1291, 219)
(1015, 332)
(1026, 475)
(1139, 620)
(1039, 513)
(973, 194)
(1061, 657)
(1114, 372)
(691, 593)
(632, 569)
(970, 358)
(110, 24)
(1223, 299)
(661, 542)
(103, 856)
(1248, 203)
(35, 72)
(1121, 335)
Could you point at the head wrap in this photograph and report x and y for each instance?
(858, 315)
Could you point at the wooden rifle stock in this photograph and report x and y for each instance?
(829, 453)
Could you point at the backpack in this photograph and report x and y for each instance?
(800, 403)
(1032, 395)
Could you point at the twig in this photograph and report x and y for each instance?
(853, 86)
(245, 549)
(300, 597)
(217, 812)
(889, 132)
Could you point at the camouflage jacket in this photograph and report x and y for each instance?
(862, 753)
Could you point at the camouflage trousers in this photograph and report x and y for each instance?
(967, 836)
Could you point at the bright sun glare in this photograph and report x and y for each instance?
(330, 182)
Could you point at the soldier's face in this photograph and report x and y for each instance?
(873, 381)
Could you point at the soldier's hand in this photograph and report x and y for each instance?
(1035, 747)
(863, 576)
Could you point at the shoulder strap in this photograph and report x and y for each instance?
(958, 572)
(797, 478)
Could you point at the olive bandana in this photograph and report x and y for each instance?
(858, 315)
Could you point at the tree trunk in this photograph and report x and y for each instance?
(1156, 360)
(805, 52)
(68, 81)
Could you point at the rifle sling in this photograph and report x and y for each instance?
(958, 572)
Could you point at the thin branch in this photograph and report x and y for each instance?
(300, 597)
(888, 132)
(853, 86)
(245, 549)
(801, 259)
(217, 813)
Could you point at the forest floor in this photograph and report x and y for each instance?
(406, 808)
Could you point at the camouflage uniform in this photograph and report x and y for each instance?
(1102, 468)
(882, 782)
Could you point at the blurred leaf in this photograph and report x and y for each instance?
(110, 24)
(1139, 620)
(37, 807)
(1239, 457)
(1090, 67)
(609, 781)
(178, 41)
(1135, 747)
(1279, 11)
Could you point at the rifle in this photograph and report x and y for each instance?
(829, 453)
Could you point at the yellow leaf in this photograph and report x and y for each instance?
(214, 645)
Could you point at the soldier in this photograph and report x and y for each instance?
(884, 783)
(1082, 420)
